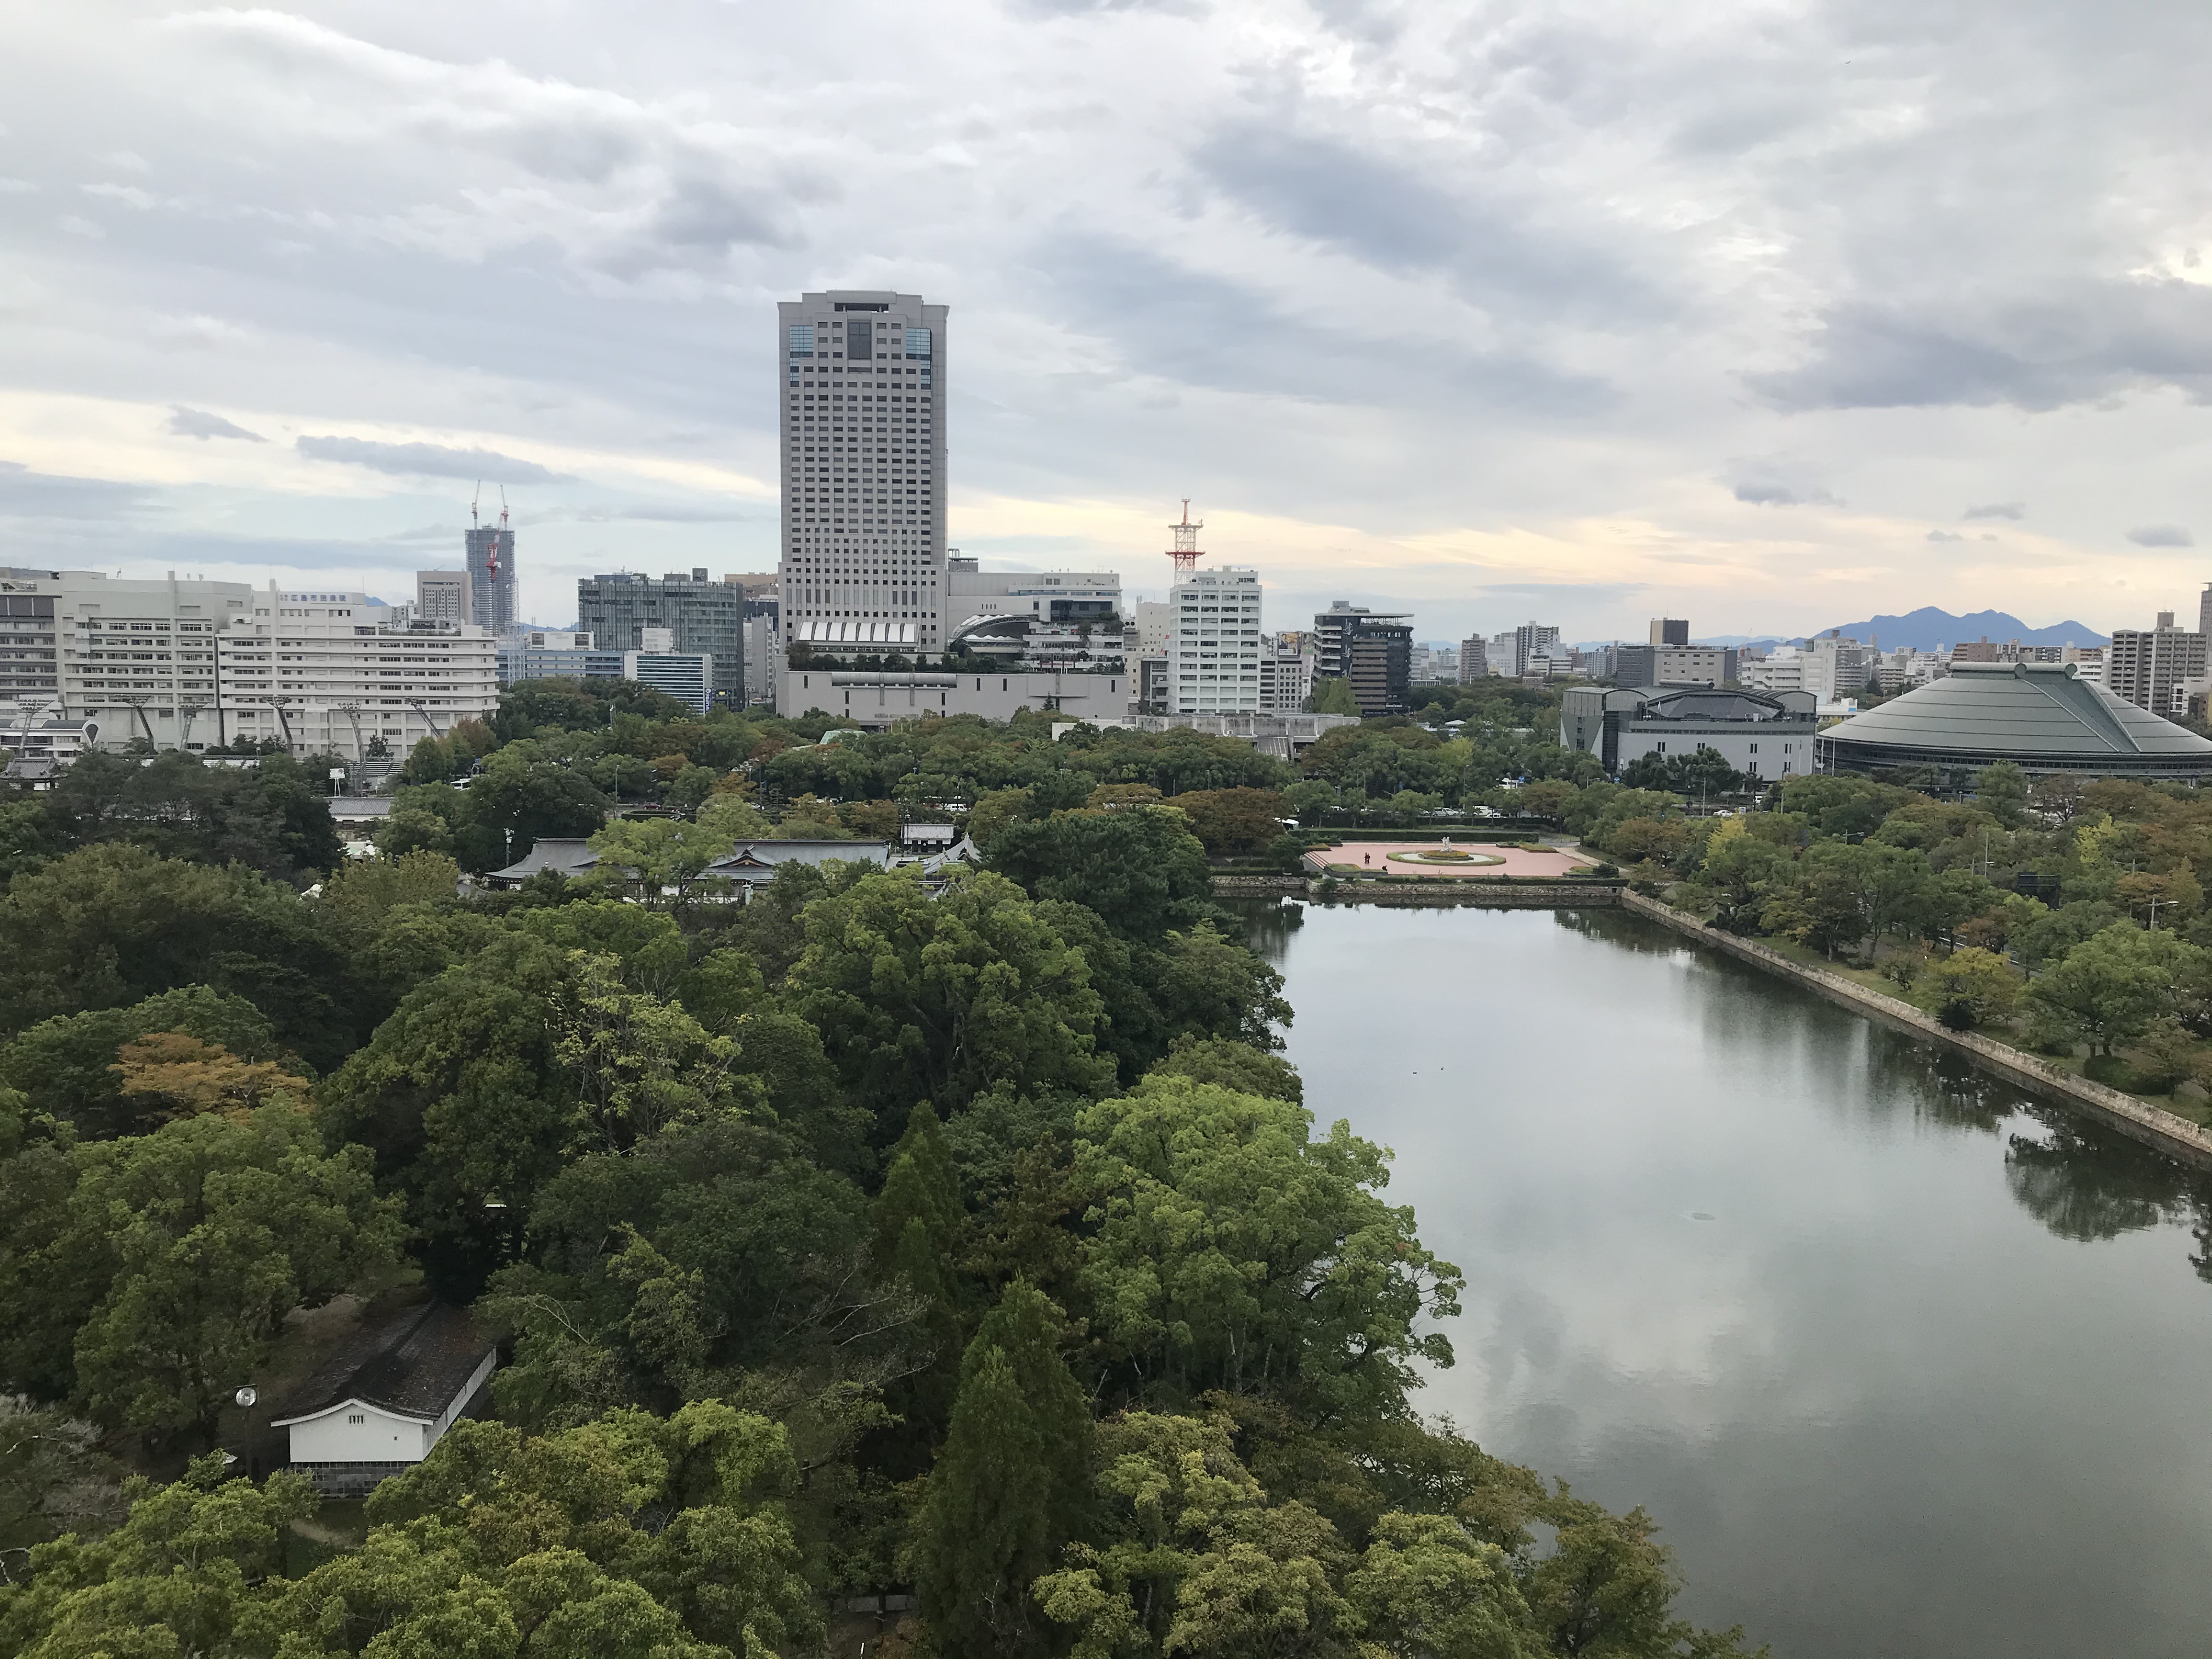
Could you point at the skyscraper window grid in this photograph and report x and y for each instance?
(863, 465)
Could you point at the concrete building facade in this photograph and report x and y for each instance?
(182, 664)
(1214, 654)
(2152, 667)
(861, 390)
(1286, 672)
(445, 596)
(686, 676)
(702, 619)
(876, 698)
(1763, 735)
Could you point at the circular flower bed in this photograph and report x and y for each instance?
(1452, 855)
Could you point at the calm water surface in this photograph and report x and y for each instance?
(1903, 1362)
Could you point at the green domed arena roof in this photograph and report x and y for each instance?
(2042, 715)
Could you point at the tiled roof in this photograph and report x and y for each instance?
(413, 1363)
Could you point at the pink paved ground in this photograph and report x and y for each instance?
(1517, 863)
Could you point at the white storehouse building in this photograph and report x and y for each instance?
(384, 1399)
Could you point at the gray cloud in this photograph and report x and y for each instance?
(1413, 270)
(1396, 216)
(28, 495)
(1777, 481)
(199, 423)
(1997, 510)
(651, 513)
(1945, 536)
(2072, 343)
(1204, 329)
(2161, 535)
(429, 460)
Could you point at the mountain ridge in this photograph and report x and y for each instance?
(1930, 626)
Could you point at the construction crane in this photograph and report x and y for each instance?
(423, 709)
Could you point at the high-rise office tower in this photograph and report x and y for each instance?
(862, 401)
(1373, 650)
(491, 574)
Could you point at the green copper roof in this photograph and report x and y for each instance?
(2024, 708)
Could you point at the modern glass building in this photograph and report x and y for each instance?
(704, 617)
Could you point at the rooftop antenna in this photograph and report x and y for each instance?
(472, 504)
(1185, 552)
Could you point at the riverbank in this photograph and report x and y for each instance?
(2175, 1136)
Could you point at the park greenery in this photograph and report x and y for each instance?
(2066, 915)
(963, 1234)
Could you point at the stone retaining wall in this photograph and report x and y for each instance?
(1489, 892)
(1242, 886)
(2176, 1136)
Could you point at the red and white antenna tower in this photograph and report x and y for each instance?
(1185, 552)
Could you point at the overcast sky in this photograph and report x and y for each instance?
(1772, 315)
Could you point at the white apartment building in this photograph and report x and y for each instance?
(861, 397)
(344, 672)
(183, 664)
(1213, 655)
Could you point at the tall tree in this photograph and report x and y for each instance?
(920, 997)
(1141, 869)
(1235, 1251)
(1008, 1490)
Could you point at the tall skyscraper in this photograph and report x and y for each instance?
(491, 574)
(862, 404)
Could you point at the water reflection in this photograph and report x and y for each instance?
(1268, 922)
(1923, 1385)
(2087, 1184)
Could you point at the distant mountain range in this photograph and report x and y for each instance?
(1922, 629)
(1927, 628)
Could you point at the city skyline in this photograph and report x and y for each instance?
(1467, 316)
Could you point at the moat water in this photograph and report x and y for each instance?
(1905, 1363)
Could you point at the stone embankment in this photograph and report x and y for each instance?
(1492, 893)
(2176, 1136)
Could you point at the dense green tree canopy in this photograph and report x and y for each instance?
(776, 1206)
